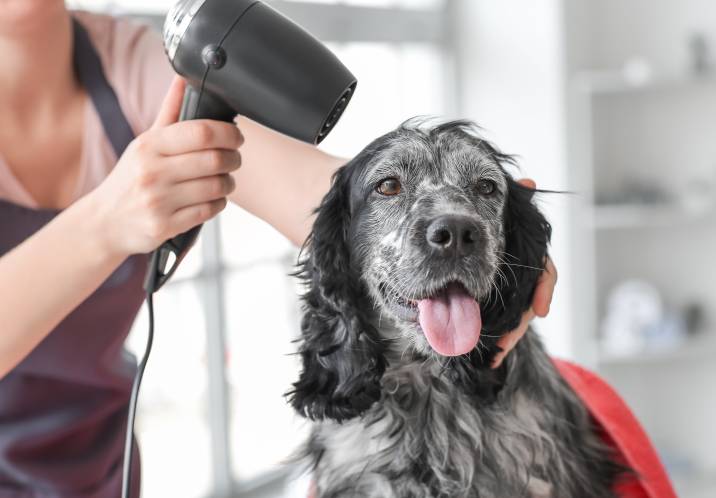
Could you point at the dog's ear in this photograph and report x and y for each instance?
(527, 235)
(342, 354)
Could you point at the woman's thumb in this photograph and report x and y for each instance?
(171, 106)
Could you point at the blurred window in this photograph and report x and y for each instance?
(209, 427)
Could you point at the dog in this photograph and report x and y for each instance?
(424, 252)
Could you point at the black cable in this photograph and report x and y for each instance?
(129, 439)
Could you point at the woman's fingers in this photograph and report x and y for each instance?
(173, 176)
(200, 164)
(527, 182)
(200, 191)
(545, 289)
(195, 135)
(171, 105)
(191, 216)
(508, 341)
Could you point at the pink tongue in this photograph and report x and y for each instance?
(451, 322)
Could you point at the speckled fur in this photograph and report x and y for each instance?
(393, 418)
(426, 438)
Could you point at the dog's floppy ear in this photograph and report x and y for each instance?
(342, 355)
(527, 234)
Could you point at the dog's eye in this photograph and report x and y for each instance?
(389, 186)
(486, 187)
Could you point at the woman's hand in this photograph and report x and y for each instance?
(170, 179)
(540, 303)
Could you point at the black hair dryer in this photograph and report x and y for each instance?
(244, 57)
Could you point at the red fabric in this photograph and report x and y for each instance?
(622, 431)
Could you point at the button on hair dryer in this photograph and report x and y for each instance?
(244, 57)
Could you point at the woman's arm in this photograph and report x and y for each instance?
(282, 180)
(43, 279)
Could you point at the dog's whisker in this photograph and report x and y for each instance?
(517, 264)
(502, 275)
(507, 254)
(509, 267)
(479, 353)
(499, 294)
(525, 266)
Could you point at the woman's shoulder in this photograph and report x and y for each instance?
(134, 62)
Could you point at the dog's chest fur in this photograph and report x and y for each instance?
(427, 438)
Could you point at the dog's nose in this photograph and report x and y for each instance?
(456, 235)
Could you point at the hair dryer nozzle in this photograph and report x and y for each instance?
(336, 113)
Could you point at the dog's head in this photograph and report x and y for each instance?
(424, 244)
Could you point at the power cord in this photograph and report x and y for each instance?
(129, 439)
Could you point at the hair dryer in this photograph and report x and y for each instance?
(244, 57)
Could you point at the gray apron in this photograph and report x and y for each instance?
(63, 408)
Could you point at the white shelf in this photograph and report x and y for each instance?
(616, 83)
(702, 347)
(617, 216)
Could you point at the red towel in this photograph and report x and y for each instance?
(622, 431)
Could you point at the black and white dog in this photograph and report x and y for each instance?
(424, 252)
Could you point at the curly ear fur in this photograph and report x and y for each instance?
(527, 235)
(342, 354)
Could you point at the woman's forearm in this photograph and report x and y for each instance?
(44, 278)
(282, 180)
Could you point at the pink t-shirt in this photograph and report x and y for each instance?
(137, 68)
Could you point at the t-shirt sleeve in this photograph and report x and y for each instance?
(135, 64)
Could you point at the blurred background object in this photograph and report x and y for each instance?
(614, 101)
(643, 159)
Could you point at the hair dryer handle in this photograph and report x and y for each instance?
(170, 254)
(200, 104)
(196, 105)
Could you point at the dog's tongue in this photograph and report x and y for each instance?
(451, 322)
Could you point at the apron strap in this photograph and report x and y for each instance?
(89, 71)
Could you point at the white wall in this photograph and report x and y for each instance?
(663, 134)
(511, 83)
(655, 29)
